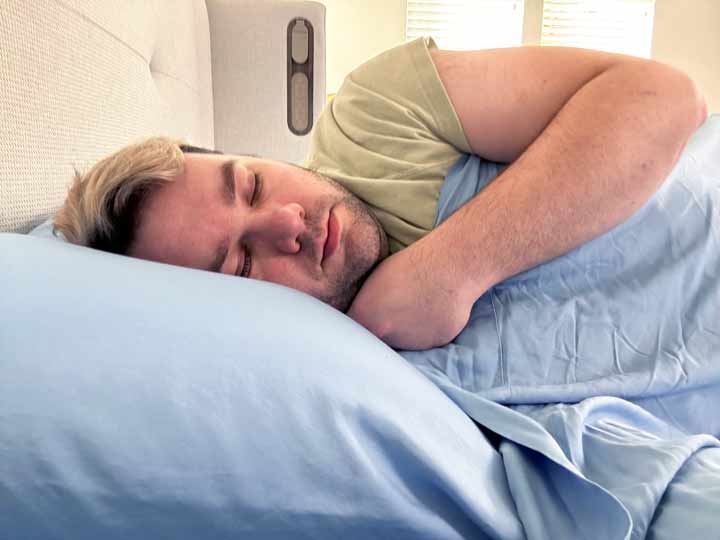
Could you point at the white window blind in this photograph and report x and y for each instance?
(467, 24)
(620, 26)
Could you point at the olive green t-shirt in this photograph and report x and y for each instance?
(390, 136)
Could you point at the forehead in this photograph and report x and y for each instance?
(183, 219)
(177, 219)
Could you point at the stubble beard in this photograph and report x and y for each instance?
(366, 246)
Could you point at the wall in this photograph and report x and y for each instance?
(686, 35)
(532, 24)
(357, 30)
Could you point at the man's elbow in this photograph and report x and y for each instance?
(686, 98)
(701, 104)
(676, 100)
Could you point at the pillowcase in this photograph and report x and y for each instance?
(45, 230)
(141, 400)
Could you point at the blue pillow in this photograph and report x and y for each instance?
(45, 230)
(140, 400)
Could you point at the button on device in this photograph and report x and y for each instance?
(300, 99)
(300, 36)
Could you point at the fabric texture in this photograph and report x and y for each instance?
(141, 400)
(390, 136)
(80, 79)
(634, 313)
(166, 402)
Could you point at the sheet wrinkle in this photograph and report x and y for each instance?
(562, 504)
(501, 358)
(576, 342)
(623, 315)
(616, 355)
(633, 313)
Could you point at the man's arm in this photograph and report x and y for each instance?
(591, 135)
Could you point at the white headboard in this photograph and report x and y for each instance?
(254, 74)
(79, 79)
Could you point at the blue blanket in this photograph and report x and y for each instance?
(603, 468)
(634, 313)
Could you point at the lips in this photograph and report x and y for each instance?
(332, 239)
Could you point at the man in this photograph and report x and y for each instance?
(589, 136)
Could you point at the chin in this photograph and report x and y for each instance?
(342, 300)
(344, 304)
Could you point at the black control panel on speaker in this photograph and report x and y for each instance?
(300, 76)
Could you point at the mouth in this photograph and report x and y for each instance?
(332, 236)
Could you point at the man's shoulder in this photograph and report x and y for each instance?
(392, 106)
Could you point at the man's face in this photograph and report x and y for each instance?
(266, 220)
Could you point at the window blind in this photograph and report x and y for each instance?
(620, 26)
(467, 24)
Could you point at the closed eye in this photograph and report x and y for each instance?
(257, 189)
(247, 265)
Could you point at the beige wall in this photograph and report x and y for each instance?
(686, 35)
(357, 30)
(532, 25)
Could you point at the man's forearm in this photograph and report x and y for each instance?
(600, 159)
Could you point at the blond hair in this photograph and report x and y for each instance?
(102, 207)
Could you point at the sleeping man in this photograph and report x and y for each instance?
(589, 137)
(586, 268)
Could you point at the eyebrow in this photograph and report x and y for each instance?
(228, 181)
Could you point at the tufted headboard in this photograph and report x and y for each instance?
(79, 79)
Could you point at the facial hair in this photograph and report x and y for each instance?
(366, 245)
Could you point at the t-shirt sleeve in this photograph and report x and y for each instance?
(390, 135)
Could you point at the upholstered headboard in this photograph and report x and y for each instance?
(81, 78)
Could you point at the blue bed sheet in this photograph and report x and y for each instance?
(634, 313)
(601, 469)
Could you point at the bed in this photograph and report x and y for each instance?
(140, 400)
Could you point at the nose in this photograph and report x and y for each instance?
(281, 226)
